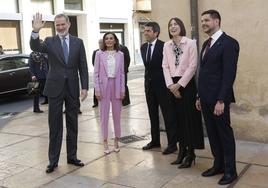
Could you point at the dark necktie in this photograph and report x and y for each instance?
(207, 46)
(65, 49)
(148, 58)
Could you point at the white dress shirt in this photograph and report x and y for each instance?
(152, 48)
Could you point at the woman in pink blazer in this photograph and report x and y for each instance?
(109, 79)
(179, 66)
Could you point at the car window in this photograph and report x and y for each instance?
(21, 62)
(7, 65)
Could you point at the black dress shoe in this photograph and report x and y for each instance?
(51, 168)
(45, 102)
(169, 150)
(227, 179)
(94, 106)
(151, 146)
(38, 111)
(212, 172)
(75, 162)
(125, 103)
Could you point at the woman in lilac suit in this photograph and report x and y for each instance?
(179, 66)
(109, 79)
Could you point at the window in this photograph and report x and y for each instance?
(10, 6)
(13, 63)
(10, 36)
(73, 4)
(47, 31)
(141, 28)
(21, 62)
(143, 5)
(43, 6)
(7, 65)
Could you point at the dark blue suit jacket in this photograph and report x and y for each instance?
(59, 71)
(38, 69)
(154, 76)
(217, 70)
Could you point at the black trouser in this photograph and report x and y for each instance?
(36, 97)
(126, 100)
(155, 99)
(221, 137)
(55, 121)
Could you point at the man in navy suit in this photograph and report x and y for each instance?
(67, 60)
(155, 89)
(218, 64)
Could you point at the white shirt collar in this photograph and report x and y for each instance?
(67, 37)
(153, 43)
(216, 35)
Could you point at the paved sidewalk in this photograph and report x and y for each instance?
(24, 143)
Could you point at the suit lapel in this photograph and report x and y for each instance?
(105, 56)
(155, 49)
(202, 51)
(143, 53)
(213, 48)
(71, 46)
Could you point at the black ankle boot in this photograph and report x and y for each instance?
(181, 155)
(187, 162)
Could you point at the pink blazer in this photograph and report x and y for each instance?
(188, 62)
(101, 73)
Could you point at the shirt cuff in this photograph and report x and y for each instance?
(34, 35)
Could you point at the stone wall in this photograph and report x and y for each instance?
(246, 21)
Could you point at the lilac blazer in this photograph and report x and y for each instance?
(101, 73)
(188, 62)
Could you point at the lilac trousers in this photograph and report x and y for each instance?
(108, 97)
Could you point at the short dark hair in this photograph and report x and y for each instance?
(62, 16)
(155, 27)
(116, 46)
(214, 14)
(181, 24)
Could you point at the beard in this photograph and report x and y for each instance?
(63, 33)
(207, 30)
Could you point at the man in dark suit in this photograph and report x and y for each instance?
(217, 72)
(155, 89)
(122, 48)
(38, 64)
(95, 100)
(67, 58)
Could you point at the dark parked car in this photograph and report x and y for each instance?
(14, 73)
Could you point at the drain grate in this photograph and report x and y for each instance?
(130, 138)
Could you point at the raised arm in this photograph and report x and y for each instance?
(38, 22)
(37, 25)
